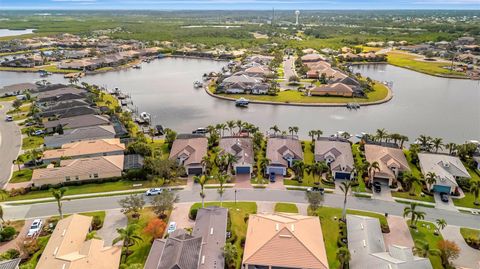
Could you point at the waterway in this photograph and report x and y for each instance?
(8, 32)
(422, 104)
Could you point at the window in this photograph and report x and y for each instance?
(95, 175)
(77, 178)
(67, 178)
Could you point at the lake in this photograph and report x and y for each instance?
(8, 32)
(422, 104)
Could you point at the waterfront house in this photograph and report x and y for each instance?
(68, 112)
(242, 149)
(80, 134)
(391, 161)
(58, 95)
(85, 149)
(260, 59)
(202, 249)
(446, 168)
(272, 239)
(18, 88)
(242, 78)
(258, 71)
(77, 170)
(282, 151)
(367, 247)
(261, 88)
(189, 151)
(312, 57)
(76, 122)
(62, 105)
(67, 247)
(335, 89)
(337, 153)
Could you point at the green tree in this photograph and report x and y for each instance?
(414, 214)
(202, 180)
(430, 179)
(298, 167)
(425, 142)
(316, 170)
(312, 134)
(410, 180)
(58, 195)
(381, 134)
(129, 237)
(372, 169)
(422, 249)
(230, 252)
(222, 179)
(441, 224)
(230, 125)
(275, 129)
(170, 136)
(132, 204)
(345, 187)
(315, 200)
(475, 190)
(343, 256)
(437, 144)
(164, 202)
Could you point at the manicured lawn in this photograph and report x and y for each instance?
(20, 116)
(469, 199)
(23, 175)
(286, 207)
(358, 160)
(418, 197)
(289, 96)
(470, 233)
(409, 61)
(7, 98)
(329, 220)
(50, 68)
(425, 233)
(32, 142)
(238, 213)
(23, 109)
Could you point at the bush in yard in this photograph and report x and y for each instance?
(29, 247)
(10, 254)
(97, 223)
(449, 250)
(155, 228)
(7, 234)
(193, 214)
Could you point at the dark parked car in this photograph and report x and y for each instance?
(444, 197)
(377, 187)
(272, 177)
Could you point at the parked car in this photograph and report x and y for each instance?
(444, 197)
(35, 228)
(200, 131)
(29, 123)
(8, 118)
(316, 189)
(38, 132)
(154, 191)
(377, 187)
(172, 227)
(272, 177)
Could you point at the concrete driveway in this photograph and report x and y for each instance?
(114, 219)
(180, 216)
(469, 257)
(10, 143)
(385, 194)
(399, 232)
(278, 184)
(289, 67)
(444, 205)
(242, 181)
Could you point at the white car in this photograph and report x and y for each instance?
(172, 227)
(8, 118)
(35, 228)
(154, 191)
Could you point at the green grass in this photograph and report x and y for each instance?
(329, 220)
(426, 234)
(23, 109)
(470, 233)
(289, 96)
(23, 175)
(469, 199)
(32, 142)
(48, 68)
(237, 213)
(418, 197)
(7, 98)
(358, 160)
(409, 61)
(419, 204)
(362, 195)
(286, 207)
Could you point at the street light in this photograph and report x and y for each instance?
(235, 197)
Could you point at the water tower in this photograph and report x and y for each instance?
(297, 14)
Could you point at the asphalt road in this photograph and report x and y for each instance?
(10, 143)
(289, 67)
(333, 200)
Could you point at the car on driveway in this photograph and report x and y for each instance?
(153, 191)
(444, 197)
(377, 187)
(172, 227)
(272, 177)
(35, 228)
(38, 132)
(316, 189)
(8, 118)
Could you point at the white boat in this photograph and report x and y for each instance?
(145, 116)
(197, 84)
(137, 66)
(361, 135)
(242, 102)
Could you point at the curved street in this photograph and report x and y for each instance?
(10, 143)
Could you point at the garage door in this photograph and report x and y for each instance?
(242, 170)
(276, 170)
(342, 175)
(195, 171)
(440, 188)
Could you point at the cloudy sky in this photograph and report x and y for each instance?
(239, 4)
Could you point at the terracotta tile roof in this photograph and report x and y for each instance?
(88, 147)
(333, 89)
(279, 147)
(272, 239)
(386, 157)
(240, 147)
(193, 149)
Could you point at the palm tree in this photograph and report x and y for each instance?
(345, 135)
(230, 252)
(381, 134)
(319, 133)
(422, 249)
(316, 169)
(414, 214)
(264, 162)
(19, 161)
(403, 139)
(202, 180)
(409, 179)
(223, 127)
(1, 215)
(299, 168)
(372, 169)
(58, 195)
(425, 142)
(451, 147)
(275, 129)
(128, 236)
(437, 143)
(312, 134)
(441, 224)
(151, 132)
(290, 130)
(343, 256)
(475, 190)
(207, 164)
(430, 179)
(230, 159)
(222, 179)
(345, 186)
(230, 126)
(295, 130)
(239, 124)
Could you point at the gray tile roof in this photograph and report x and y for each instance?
(241, 147)
(447, 168)
(80, 134)
(10, 264)
(339, 151)
(278, 148)
(78, 121)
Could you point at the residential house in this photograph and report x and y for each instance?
(283, 240)
(335, 89)
(337, 153)
(68, 112)
(19, 88)
(85, 149)
(261, 88)
(76, 170)
(446, 168)
(258, 71)
(282, 151)
(80, 134)
(312, 57)
(76, 122)
(203, 249)
(242, 149)
(242, 78)
(391, 162)
(189, 151)
(261, 59)
(67, 247)
(367, 247)
(10, 264)
(57, 95)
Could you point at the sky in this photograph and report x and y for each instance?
(239, 4)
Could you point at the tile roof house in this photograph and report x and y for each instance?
(367, 247)
(284, 240)
(80, 134)
(258, 71)
(203, 249)
(312, 57)
(55, 95)
(10, 264)
(76, 122)
(67, 248)
(69, 112)
(83, 169)
(242, 148)
(18, 88)
(337, 154)
(242, 78)
(391, 161)
(189, 152)
(85, 149)
(335, 89)
(446, 168)
(282, 152)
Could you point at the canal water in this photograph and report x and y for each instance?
(8, 32)
(422, 104)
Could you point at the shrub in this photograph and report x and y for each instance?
(97, 223)
(7, 234)
(10, 254)
(193, 213)
(155, 228)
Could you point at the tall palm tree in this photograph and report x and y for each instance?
(295, 129)
(451, 147)
(475, 190)
(223, 127)
(422, 249)
(414, 214)
(290, 130)
(319, 133)
(264, 162)
(58, 195)
(239, 124)
(128, 236)
(206, 162)
(425, 142)
(345, 135)
(222, 179)
(409, 179)
(312, 134)
(275, 129)
(343, 256)
(403, 139)
(441, 224)
(230, 159)
(381, 134)
(230, 126)
(430, 179)
(437, 144)
(345, 187)
(202, 180)
(372, 169)
(316, 169)
(299, 168)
